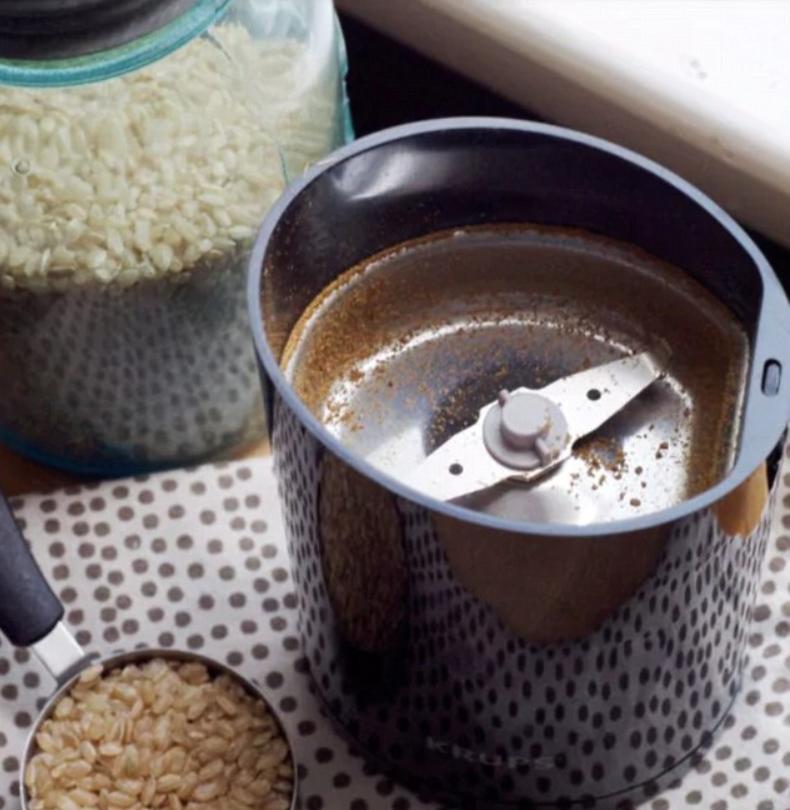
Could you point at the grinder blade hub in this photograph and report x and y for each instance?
(525, 430)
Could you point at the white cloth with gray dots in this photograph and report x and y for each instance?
(197, 559)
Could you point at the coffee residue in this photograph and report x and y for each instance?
(401, 352)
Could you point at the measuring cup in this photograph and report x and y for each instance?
(31, 616)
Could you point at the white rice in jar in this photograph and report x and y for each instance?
(127, 210)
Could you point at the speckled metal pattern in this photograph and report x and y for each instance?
(492, 692)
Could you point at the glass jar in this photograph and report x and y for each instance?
(136, 162)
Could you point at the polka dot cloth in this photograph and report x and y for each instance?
(197, 560)
(194, 560)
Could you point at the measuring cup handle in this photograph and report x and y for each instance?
(29, 609)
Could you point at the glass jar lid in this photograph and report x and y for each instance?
(52, 43)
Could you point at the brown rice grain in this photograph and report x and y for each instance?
(125, 740)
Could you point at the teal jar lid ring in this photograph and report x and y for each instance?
(192, 18)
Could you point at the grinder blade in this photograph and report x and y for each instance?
(526, 433)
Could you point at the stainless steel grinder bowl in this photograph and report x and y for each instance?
(494, 662)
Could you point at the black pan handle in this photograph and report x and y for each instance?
(29, 609)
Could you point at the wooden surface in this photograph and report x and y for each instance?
(18, 475)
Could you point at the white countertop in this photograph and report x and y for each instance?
(700, 85)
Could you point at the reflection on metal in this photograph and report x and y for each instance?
(362, 558)
(740, 511)
(561, 649)
(546, 591)
(59, 652)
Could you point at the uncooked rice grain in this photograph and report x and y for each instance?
(158, 171)
(96, 752)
